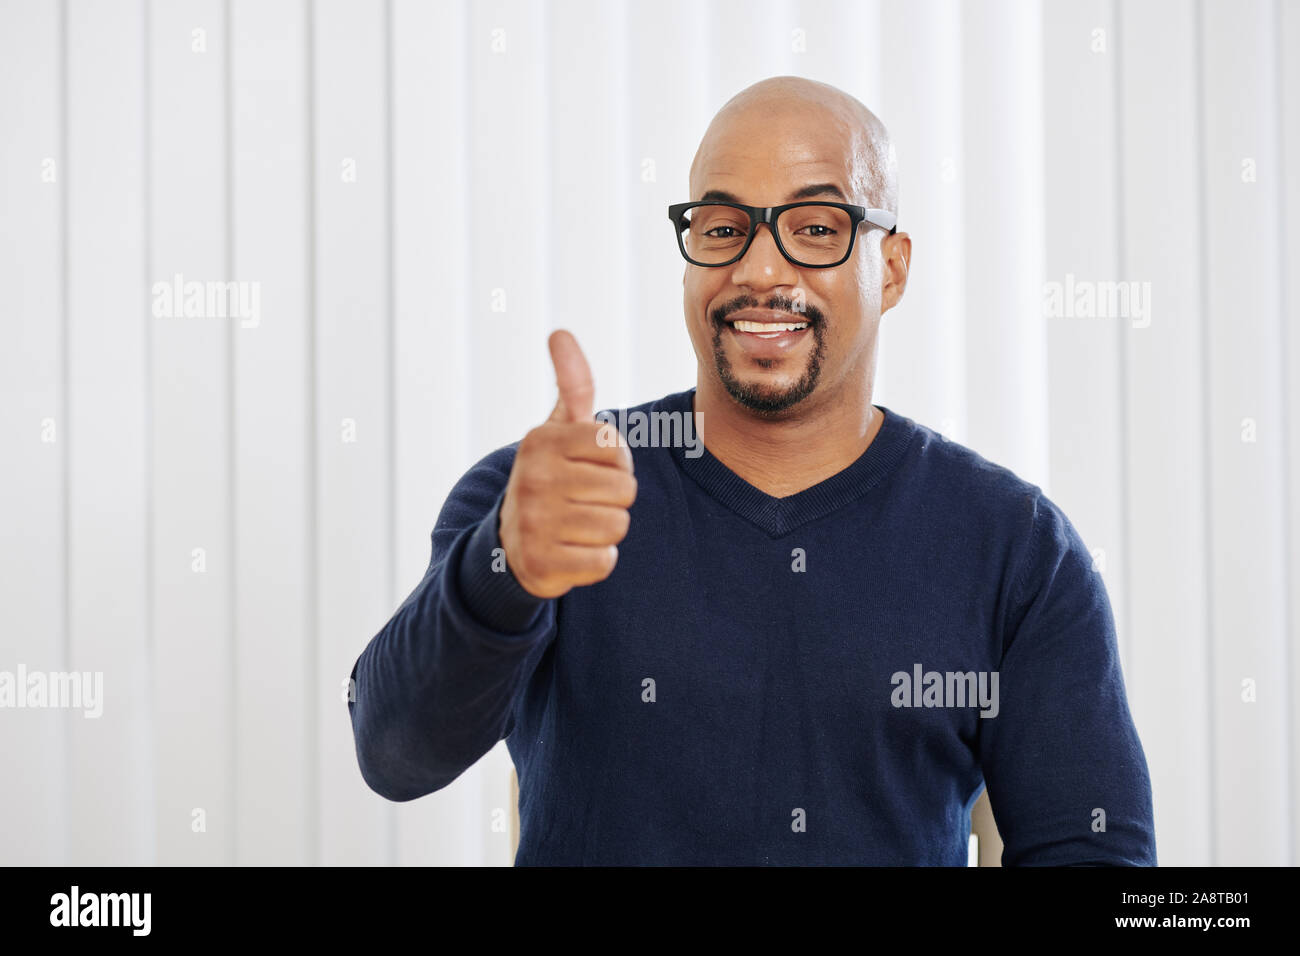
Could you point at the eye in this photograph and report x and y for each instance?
(716, 228)
(819, 235)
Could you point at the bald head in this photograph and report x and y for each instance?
(780, 103)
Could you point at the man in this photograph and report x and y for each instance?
(812, 641)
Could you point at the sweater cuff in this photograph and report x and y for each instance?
(494, 597)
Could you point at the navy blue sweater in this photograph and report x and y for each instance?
(826, 678)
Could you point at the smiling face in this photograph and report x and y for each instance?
(775, 336)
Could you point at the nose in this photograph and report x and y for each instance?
(763, 265)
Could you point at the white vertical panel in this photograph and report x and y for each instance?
(1288, 39)
(845, 44)
(924, 338)
(1167, 567)
(1242, 178)
(193, 650)
(33, 426)
(750, 41)
(111, 814)
(354, 557)
(591, 170)
(275, 684)
(1083, 222)
(668, 48)
(431, 344)
(1006, 342)
(509, 291)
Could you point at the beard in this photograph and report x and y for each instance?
(769, 399)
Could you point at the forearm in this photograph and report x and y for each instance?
(434, 689)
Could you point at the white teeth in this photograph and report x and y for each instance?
(743, 326)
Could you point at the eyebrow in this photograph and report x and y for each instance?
(806, 192)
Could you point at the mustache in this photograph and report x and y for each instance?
(776, 303)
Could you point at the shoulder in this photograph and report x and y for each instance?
(1045, 566)
(1008, 512)
(478, 490)
(496, 463)
(980, 487)
(489, 472)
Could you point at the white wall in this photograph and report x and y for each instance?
(389, 173)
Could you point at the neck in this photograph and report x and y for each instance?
(783, 456)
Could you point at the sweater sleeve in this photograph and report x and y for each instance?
(1062, 758)
(435, 689)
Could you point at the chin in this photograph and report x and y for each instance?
(766, 397)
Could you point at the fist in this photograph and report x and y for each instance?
(566, 503)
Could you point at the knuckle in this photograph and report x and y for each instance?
(541, 440)
(627, 491)
(529, 443)
(527, 521)
(535, 478)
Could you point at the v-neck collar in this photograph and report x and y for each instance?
(778, 516)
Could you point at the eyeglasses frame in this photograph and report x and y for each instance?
(768, 214)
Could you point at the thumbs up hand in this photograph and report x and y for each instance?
(566, 503)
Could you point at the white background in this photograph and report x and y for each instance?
(529, 150)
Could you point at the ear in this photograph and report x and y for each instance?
(896, 254)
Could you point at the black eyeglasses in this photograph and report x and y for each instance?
(813, 235)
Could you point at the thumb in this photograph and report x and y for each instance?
(573, 378)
